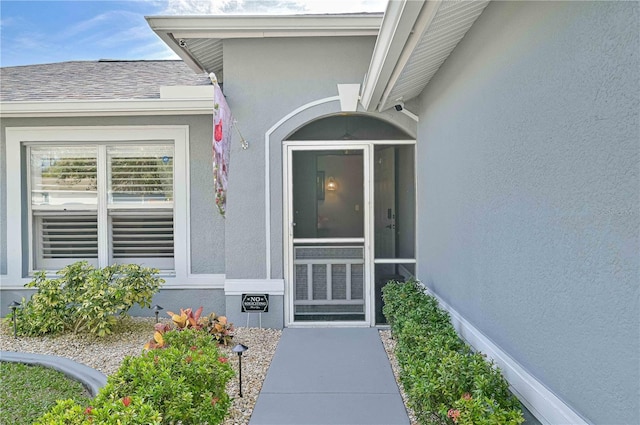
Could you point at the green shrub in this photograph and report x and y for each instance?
(445, 380)
(128, 410)
(65, 412)
(83, 298)
(469, 410)
(185, 381)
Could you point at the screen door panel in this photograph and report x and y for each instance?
(328, 243)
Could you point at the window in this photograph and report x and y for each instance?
(104, 203)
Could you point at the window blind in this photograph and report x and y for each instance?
(143, 237)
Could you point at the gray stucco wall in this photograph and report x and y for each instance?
(207, 226)
(529, 194)
(3, 202)
(265, 79)
(212, 301)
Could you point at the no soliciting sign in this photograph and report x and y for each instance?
(255, 303)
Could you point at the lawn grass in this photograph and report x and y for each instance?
(30, 391)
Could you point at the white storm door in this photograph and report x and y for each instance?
(327, 219)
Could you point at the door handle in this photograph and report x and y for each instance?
(390, 226)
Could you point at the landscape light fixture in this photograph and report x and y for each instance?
(156, 309)
(240, 348)
(13, 306)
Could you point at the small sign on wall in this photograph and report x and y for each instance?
(255, 303)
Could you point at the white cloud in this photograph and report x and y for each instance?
(270, 7)
(101, 22)
(123, 32)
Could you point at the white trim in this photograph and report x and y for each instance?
(544, 404)
(215, 34)
(198, 281)
(254, 286)
(303, 143)
(105, 108)
(423, 22)
(300, 241)
(186, 92)
(104, 242)
(336, 324)
(267, 174)
(349, 95)
(252, 26)
(394, 261)
(410, 114)
(17, 136)
(405, 272)
(398, 22)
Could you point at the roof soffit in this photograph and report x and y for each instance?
(198, 39)
(397, 25)
(450, 23)
(437, 29)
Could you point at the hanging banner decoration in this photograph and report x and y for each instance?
(222, 123)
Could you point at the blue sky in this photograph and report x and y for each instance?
(33, 32)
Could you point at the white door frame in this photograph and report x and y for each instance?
(288, 147)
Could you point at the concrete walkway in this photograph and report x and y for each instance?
(326, 376)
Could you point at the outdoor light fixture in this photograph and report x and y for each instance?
(156, 309)
(331, 184)
(240, 348)
(13, 306)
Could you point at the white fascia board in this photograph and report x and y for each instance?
(229, 26)
(399, 20)
(102, 108)
(171, 42)
(186, 92)
(426, 16)
(284, 33)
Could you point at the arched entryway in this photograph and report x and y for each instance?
(349, 186)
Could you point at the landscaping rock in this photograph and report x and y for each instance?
(105, 355)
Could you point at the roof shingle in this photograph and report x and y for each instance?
(95, 80)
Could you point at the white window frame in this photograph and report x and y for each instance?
(18, 137)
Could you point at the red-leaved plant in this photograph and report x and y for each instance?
(217, 326)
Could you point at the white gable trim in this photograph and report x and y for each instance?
(239, 26)
(399, 19)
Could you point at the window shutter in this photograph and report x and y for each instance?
(144, 237)
(61, 237)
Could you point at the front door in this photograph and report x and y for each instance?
(327, 233)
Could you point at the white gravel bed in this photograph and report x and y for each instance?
(106, 354)
(390, 346)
